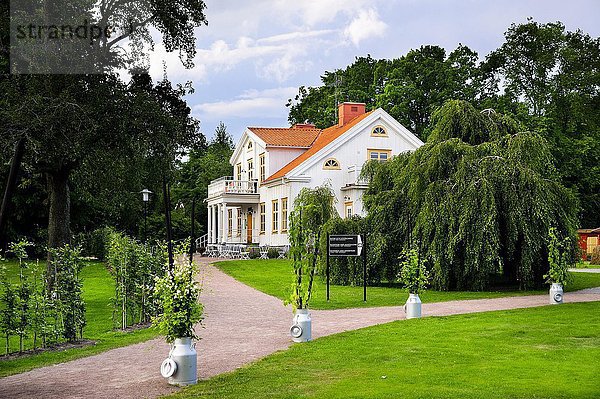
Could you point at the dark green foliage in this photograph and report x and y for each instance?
(543, 76)
(135, 267)
(193, 177)
(476, 211)
(272, 253)
(67, 263)
(94, 243)
(9, 320)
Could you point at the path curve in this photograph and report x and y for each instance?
(241, 326)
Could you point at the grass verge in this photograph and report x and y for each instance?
(274, 277)
(98, 288)
(548, 352)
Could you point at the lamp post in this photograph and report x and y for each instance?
(146, 198)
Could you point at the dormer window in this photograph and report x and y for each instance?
(331, 164)
(249, 147)
(379, 131)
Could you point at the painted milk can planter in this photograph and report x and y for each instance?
(558, 259)
(177, 293)
(414, 276)
(301, 330)
(312, 209)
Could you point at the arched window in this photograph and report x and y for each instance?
(379, 131)
(249, 146)
(331, 164)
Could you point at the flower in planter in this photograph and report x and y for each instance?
(413, 274)
(558, 259)
(177, 293)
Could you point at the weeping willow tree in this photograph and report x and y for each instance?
(477, 200)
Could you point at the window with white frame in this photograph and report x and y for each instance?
(284, 215)
(229, 222)
(349, 209)
(262, 166)
(263, 218)
(250, 169)
(275, 217)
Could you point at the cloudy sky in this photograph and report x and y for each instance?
(255, 54)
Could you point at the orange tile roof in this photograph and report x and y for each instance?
(326, 137)
(286, 137)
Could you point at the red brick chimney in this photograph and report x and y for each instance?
(349, 111)
(303, 126)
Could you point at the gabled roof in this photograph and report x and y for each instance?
(326, 137)
(286, 137)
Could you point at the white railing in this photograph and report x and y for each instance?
(353, 177)
(202, 241)
(227, 185)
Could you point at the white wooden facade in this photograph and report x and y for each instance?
(252, 207)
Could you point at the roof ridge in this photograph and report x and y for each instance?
(335, 131)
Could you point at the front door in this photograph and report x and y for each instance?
(249, 229)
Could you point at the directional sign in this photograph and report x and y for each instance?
(345, 245)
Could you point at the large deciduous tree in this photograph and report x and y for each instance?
(554, 76)
(477, 200)
(71, 120)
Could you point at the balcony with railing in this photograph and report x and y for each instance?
(353, 178)
(227, 185)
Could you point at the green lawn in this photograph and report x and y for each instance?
(549, 352)
(586, 265)
(274, 278)
(98, 288)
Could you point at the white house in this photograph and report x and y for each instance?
(272, 165)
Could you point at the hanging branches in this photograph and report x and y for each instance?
(478, 197)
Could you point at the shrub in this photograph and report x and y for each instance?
(94, 243)
(134, 267)
(67, 263)
(254, 253)
(272, 253)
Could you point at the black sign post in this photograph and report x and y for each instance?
(344, 246)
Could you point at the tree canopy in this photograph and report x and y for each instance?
(544, 77)
(477, 200)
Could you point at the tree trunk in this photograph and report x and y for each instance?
(59, 216)
(10, 187)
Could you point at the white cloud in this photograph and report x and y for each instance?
(286, 37)
(254, 104)
(366, 25)
(313, 12)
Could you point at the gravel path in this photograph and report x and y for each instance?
(241, 325)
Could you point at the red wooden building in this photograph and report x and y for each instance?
(589, 239)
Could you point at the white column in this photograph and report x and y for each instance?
(214, 232)
(220, 227)
(225, 227)
(209, 224)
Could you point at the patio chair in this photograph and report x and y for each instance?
(244, 252)
(283, 252)
(264, 252)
